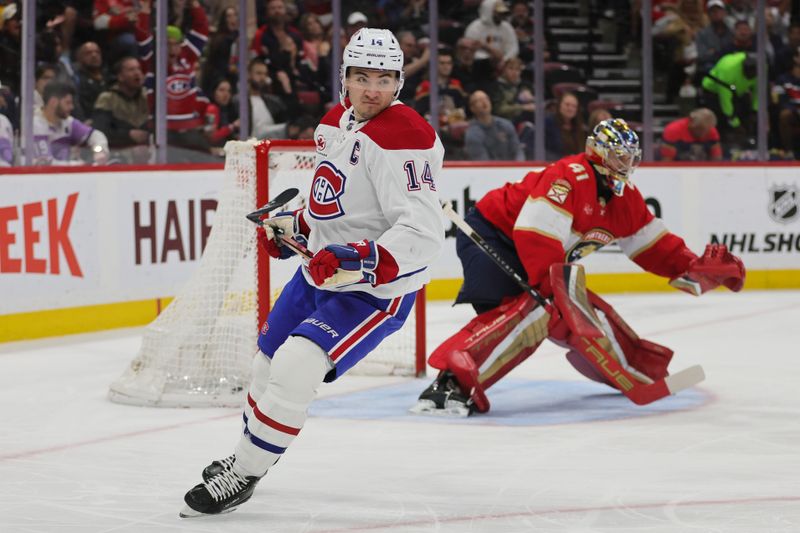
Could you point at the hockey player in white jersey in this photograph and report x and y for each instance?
(374, 222)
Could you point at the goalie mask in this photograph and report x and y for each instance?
(372, 48)
(614, 149)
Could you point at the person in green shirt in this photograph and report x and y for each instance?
(730, 90)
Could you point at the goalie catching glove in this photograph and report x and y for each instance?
(289, 223)
(716, 267)
(375, 264)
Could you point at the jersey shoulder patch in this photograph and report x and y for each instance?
(333, 116)
(400, 128)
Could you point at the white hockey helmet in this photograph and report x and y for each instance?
(372, 48)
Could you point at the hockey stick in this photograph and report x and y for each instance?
(639, 393)
(282, 199)
(462, 224)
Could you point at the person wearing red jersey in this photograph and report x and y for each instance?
(186, 103)
(692, 138)
(560, 215)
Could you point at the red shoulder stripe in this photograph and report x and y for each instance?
(400, 128)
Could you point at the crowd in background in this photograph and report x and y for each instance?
(95, 76)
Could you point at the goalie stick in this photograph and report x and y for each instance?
(636, 391)
(584, 328)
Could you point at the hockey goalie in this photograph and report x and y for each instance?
(541, 226)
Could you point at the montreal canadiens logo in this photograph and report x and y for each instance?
(178, 84)
(326, 191)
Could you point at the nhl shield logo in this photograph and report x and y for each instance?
(783, 203)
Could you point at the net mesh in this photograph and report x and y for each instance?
(198, 351)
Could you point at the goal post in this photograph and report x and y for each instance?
(199, 350)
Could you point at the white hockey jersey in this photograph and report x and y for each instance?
(376, 180)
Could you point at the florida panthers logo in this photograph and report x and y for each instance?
(327, 188)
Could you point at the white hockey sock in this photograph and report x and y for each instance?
(297, 369)
(258, 384)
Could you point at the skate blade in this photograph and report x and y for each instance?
(451, 409)
(188, 512)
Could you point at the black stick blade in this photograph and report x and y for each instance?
(282, 199)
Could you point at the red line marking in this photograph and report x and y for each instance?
(564, 510)
(62, 447)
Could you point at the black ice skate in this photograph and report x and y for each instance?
(443, 398)
(217, 467)
(222, 493)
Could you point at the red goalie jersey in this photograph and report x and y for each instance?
(559, 215)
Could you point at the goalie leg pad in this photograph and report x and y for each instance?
(647, 357)
(492, 344)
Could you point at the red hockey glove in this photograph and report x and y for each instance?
(374, 262)
(716, 267)
(283, 223)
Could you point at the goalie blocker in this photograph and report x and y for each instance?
(495, 342)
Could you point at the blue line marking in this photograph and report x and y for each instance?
(515, 402)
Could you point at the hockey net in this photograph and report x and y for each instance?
(199, 350)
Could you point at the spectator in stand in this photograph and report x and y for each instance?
(744, 40)
(489, 137)
(741, 10)
(60, 16)
(11, 48)
(279, 44)
(6, 142)
(693, 138)
(315, 68)
(596, 117)
(90, 79)
(784, 59)
(464, 63)
(414, 16)
(509, 98)
(301, 128)
(497, 40)
(222, 117)
(714, 38)
(186, 103)
(115, 24)
(45, 73)
(221, 61)
(452, 98)
(55, 132)
(122, 113)
(355, 21)
(522, 22)
(8, 106)
(730, 91)
(786, 96)
(268, 113)
(415, 64)
(677, 31)
(565, 132)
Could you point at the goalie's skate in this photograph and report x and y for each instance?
(443, 398)
(222, 493)
(217, 467)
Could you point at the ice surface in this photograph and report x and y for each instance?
(557, 453)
